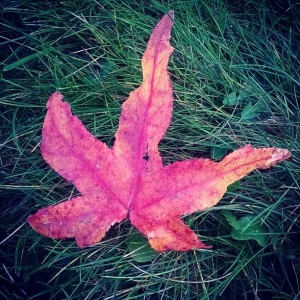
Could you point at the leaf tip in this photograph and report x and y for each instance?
(55, 97)
(277, 156)
(171, 14)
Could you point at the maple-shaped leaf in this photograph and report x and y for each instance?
(129, 180)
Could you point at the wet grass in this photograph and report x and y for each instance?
(235, 72)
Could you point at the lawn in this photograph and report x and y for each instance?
(235, 71)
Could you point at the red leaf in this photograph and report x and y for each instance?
(130, 180)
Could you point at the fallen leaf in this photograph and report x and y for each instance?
(129, 180)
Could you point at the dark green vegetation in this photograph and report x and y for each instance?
(235, 71)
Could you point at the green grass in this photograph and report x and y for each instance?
(91, 51)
